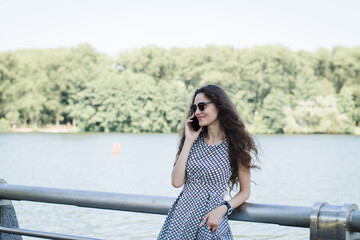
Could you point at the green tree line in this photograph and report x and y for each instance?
(275, 90)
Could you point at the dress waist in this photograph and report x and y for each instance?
(203, 186)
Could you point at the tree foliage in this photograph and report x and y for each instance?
(275, 90)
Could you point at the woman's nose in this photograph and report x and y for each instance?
(197, 112)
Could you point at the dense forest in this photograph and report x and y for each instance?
(275, 90)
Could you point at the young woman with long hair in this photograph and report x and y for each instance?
(208, 160)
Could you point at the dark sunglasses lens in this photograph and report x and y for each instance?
(193, 108)
(201, 106)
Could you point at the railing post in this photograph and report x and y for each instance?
(3, 202)
(8, 218)
(329, 222)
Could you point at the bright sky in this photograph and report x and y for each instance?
(117, 25)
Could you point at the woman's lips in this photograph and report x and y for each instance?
(200, 118)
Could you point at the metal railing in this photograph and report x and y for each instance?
(325, 221)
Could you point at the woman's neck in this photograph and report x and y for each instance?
(214, 134)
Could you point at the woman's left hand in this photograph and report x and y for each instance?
(214, 218)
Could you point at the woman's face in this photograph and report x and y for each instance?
(209, 115)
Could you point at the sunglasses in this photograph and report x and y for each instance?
(201, 106)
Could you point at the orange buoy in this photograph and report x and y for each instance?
(116, 148)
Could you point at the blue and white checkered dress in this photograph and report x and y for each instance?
(208, 172)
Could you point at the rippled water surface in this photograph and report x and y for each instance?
(296, 170)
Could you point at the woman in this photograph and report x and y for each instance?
(208, 160)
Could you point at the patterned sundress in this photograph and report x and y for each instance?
(208, 172)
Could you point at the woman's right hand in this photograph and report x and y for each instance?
(190, 134)
(178, 174)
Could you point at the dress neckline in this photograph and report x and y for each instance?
(216, 145)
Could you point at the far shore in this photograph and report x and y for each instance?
(45, 130)
(48, 129)
(70, 129)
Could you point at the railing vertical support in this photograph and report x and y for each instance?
(0, 219)
(8, 218)
(332, 222)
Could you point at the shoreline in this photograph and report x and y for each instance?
(65, 129)
(45, 130)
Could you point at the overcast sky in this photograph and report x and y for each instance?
(113, 26)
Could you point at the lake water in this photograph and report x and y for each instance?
(296, 170)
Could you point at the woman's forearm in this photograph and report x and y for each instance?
(178, 172)
(239, 198)
(244, 193)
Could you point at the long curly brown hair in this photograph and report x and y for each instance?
(241, 144)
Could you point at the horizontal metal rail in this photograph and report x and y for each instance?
(46, 235)
(295, 216)
(89, 199)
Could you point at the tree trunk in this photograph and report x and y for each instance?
(35, 121)
(36, 118)
(74, 123)
(57, 119)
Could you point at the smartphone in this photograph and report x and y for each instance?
(195, 124)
